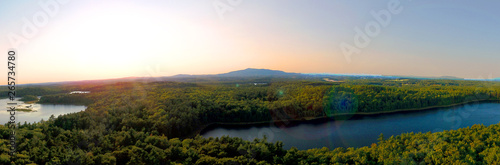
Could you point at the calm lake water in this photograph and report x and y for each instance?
(44, 111)
(358, 131)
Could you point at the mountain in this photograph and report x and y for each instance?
(254, 74)
(450, 78)
(251, 72)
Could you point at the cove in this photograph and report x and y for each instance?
(43, 111)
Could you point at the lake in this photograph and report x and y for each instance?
(44, 111)
(359, 131)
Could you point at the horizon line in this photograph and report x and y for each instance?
(324, 73)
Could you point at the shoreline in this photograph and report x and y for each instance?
(31, 102)
(420, 109)
(304, 119)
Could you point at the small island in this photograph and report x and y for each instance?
(25, 108)
(28, 100)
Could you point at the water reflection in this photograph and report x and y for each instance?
(358, 131)
(43, 111)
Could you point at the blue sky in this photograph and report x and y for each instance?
(112, 39)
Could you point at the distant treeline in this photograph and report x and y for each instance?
(29, 98)
(76, 99)
(32, 90)
(373, 98)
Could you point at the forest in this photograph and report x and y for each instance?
(28, 98)
(157, 122)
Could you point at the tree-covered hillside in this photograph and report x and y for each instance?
(157, 122)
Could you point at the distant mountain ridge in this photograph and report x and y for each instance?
(252, 72)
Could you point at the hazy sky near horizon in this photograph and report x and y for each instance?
(79, 40)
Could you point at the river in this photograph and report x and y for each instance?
(359, 131)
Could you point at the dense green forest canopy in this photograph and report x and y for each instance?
(157, 122)
(21, 91)
(29, 98)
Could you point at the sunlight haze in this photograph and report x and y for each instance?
(85, 40)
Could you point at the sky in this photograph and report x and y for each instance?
(69, 40)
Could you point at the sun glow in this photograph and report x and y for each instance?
(122, 36)
(121, 42)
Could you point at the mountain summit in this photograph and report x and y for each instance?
(252, 72)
